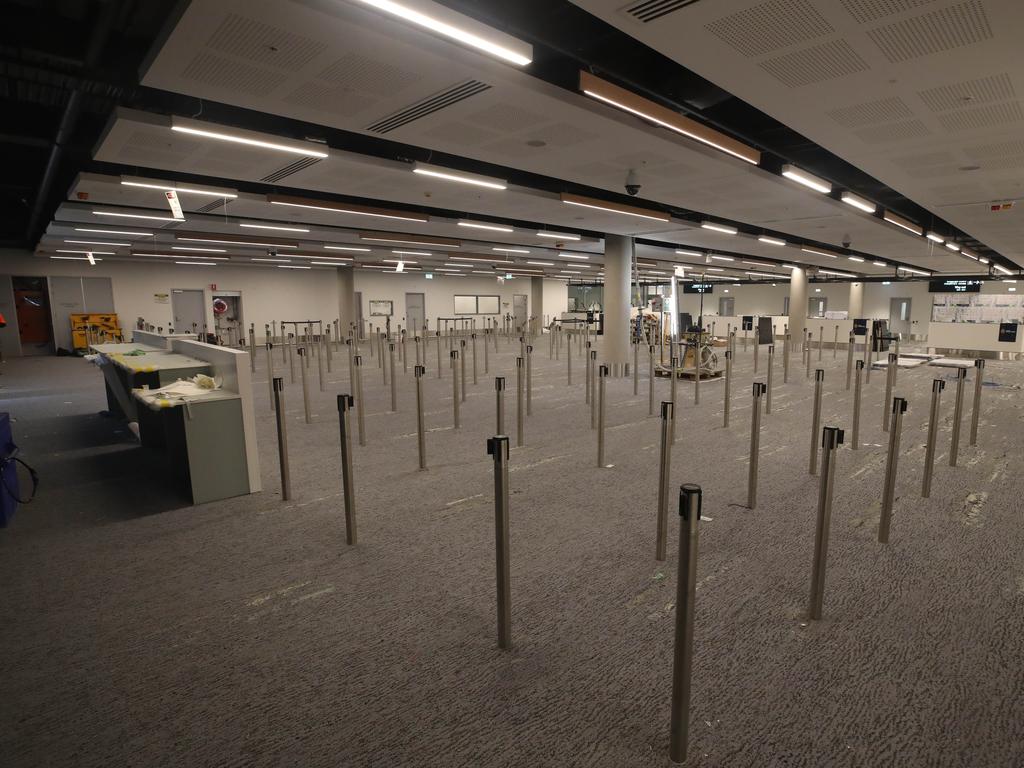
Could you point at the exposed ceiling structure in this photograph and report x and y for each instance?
(296, 135)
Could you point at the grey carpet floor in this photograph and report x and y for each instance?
(138, 631)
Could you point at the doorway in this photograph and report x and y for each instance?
(727, 306)
(227, 322)
(899, 317)
(817, 306)
(415, 313)
(189, 309)
(32, 308)
(519, 311)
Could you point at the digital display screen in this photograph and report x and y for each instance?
(698, 287)
(954, 286)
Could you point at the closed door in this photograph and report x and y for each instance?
(727, 306)
(519, 310)
(189, 310)
(415, 312)
(33, 317)
(899, 317)
(817, 306)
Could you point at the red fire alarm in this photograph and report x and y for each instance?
(213, 286)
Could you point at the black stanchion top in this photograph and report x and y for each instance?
(687, 493)
(831, 437)
(300, 351)
(593, 354)
(419, 370)
(899, 404)
(771, 349)
(345, 402)
(519, 362)
(357, 360)
(499, 383)
(454, 354)
(666, 410)
(728, 355)
(497, 447)
(270, 345)
(961, 373)
(859, 365)
(602, 370)
(760, 388)
(979, 363)
(278, 384)
(819, 374)
(938, 385)
(892, 357)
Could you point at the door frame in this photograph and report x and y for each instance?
(910, 305)
(202, 308)
(408, 321)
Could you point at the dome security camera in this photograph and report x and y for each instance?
(632, 183)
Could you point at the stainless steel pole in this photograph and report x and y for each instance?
(849, 360)
(291, 359)
(498, 448)
(856, 405)
(270, 373)
(282, 439)
(454, 354)
(499, 402)
(592, 387)
(821, 334)
(686, 595)
(807, 357)
(301, 351)
(529, 379)
(473, 342)
(394, 379)
(672, 390)
(347, 484)
(869, 341)
(568, 367)
(835, 342)
(899, 407)
(958, 410)
(589, 373)
(602, 374)
(728, 387)
(831, 438)
(252, 347)
(696, 369)
(979, 378)
(933, 430)
(819, 380)
(636, 368)
(462, 369)
(757, 347)
(889, 376)
(439, 369)
(358, 387)
(664, 471)
(405, 355)
(519, 402)
(320, 364)
(771, 370)
(487, 354)
(327, 345)
(421, 434)
(650, 381)
(755, 444)
(785, 357)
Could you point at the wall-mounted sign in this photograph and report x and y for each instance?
(954, 286)
(698, 287)
(1008, 332)
(860, 327)
(748, 322)
(161, 298)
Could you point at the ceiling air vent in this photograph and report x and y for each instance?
(299, 165)
(651, 10)
(429, 106)
(213, 205)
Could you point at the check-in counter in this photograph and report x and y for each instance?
(974, 339)
(130, 366)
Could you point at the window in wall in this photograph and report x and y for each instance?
(816, 306)
(477, 305)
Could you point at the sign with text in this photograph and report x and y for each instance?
(1008, 332)
(698, 287)
(954, 286)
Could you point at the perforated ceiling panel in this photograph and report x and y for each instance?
(879, 111)
(880, 134)
(968, 93)
(923, 160)
(943, 29)
(330, 99)
(997, 151)
(507, 117)
(872, 10)
(982, 117)
(815, 64)
(269, 46)
(223, 72)
(770, 25)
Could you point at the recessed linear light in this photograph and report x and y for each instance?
(834, 274)
(283, 261)
(625, 210)
(771, 240)
(76, 258)
(558, 235)
(346, 248)
(757, 263)
(879, 263)
(274, 227)
(446, 269)
(626, 100)
(234, 242)
(855, 258)
(510, 250)
(411, 253)
(653, 272)
(858, 202)
(1001, 269)
(73, 250)
(406, 241)
(721, 258)
(204, 250)
(508, 49)
(1009, 281)
(569, 272)
(198, 263)
(719, 227)
(983, 260)
(899, 221)
(819, 252)
(449, 174)
(114, 232)
(800, 176)
(293, 266)
(491, 227)
(177, 124)
(401, 261)
(483, 272)
(690, 253)
(913, 271)
(329, 264)
(542, 263)
(713, 269)
(574, 256)
(349, 208)
(485, 259)
(96, 242)
(963, 252)
(953, 247)
(765, 274)
(136, 216)
(182, 190)
(935, 238)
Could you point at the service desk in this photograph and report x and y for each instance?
(974, 340)
(124, 370)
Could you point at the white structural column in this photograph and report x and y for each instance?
(537, 301)
(346, 299)
(797, 306)
(856, 305)
(677, 307)
(618, 252)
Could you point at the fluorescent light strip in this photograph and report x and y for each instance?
(953, 247)
(834, 274)
(607, 207)
(510, 250)
(484, 258)
(234, 242)
(198, 263)
(114, 232)
(542, 263)
(913, 271)
(935, 238)
(293, 266)
(401, 261)
(463, 178)
(712, 269)
(407, 242)
(328, 264)
(73, 250)
(184, 190)
(588, 83)
(983, 260)
(855, 258)
(248, 142)
(819, 253)
(411, 253)
(76, 258)
(177, 256)
(899, 221)
(136, 216)
(720, 258)
(461, 266)
(809, 180)
(690, 253)
(771, 240)
(276, 228)
(574, 256)
(350, 211)
(719, 227)
(284, 261)
(765, 274)
(205, 250)
(95, 242)
(757, 263)
(483, 272)
(879, 263)
(858, 202)
(346, 248)
(1001, 269)
(558, 235)
(491, 227)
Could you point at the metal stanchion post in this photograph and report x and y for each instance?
(686, 595)
(856, 405)
(347, 485)
(439, 369)
(421, 437)
(664, 471)
(636, 368)
(785, 357)
(933, 429)
(899, 407)
(979, 378)
(394, 379)
(327, 344)
(868, 343)
(602, 374)
(252, 347)
(696, 370)
(270, 372)
(454, 354)
(728, 388)
(755, 444)
(472, 338)
(650, 381)
(284, 344)
(821, 334)
(889, 378)
(835, 342)
(958, 410)
(592, 387)
(282, 439)
(320, 365)
(519, 402)
(499, 402)
(771, 366)
(819, 379)
(672, 390)
(487, 354)
(498, 448)
(291, 359)
(831, 438)
(568, 368)
(418, 352)
(357, 386)
(301, 351)
(589, 372)
(757, 347)
(405, 355)
(807, 356)
(849, 361)
(462, 369)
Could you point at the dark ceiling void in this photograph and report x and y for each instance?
(567, 38)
